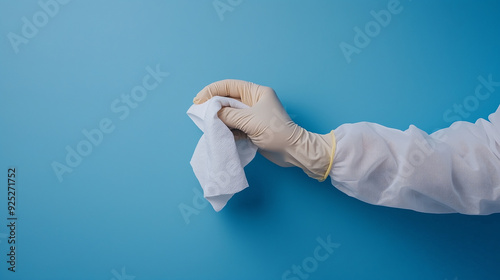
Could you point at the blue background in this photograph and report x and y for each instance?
(116, 215)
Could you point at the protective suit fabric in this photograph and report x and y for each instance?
(455, 169)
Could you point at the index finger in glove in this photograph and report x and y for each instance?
(249, 93)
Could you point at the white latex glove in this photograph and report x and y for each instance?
(270, 128)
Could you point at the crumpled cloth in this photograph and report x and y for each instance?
(218, 159)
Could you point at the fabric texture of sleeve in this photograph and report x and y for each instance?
(456, 169)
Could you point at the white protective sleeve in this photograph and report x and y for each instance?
(456, 169)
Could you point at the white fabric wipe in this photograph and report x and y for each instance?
(218, 159)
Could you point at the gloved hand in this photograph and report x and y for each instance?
(270, 128)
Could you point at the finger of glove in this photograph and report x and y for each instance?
(249, 93)
(236, 118)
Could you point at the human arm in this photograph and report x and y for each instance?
(456, 169)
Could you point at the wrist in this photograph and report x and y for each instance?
(313, 153)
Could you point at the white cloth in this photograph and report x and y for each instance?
(456, 169)
(218, 159)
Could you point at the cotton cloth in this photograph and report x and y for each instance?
(455, 169)
(218, 160)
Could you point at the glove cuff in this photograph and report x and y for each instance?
(332, 154)
(314, 154)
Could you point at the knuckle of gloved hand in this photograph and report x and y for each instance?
(267, 90)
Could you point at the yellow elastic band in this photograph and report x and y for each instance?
(334, 146)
